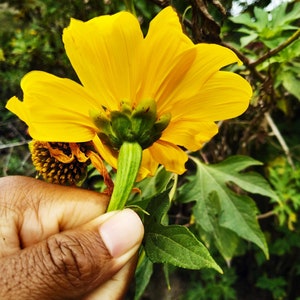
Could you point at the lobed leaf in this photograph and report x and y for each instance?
(218, 203)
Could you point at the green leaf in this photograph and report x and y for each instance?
(173, 244)
(157, 208)
(244, 19)
(280, 17)
(178, 246)
(291, 82)
(229, 171)
(245, 40)
(228, 209)
(226, 241)
(262, 18)
(270, 28)
(142, 276)
(151, 187)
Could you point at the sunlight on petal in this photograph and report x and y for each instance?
(56, 109)
(148, 165)
(105, 55)
(163, 46)
(225, 95)
(17, 107)
(210, 58)
(170, 156)
(107, 154)
(190, 133)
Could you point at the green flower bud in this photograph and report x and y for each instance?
(106, 133)
(139, 125)
(122, 126)
(143, 117)
(126, 108)
(162, 123)
(100, 120)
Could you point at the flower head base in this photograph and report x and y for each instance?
(140, 125)
(61, 163)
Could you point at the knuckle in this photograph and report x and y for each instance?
(71, 259)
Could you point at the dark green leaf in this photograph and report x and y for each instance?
(142, 276)
(152, 186)
(176, 245)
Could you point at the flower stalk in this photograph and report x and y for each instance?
(129, 161)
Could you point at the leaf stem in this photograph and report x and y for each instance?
(129, 162)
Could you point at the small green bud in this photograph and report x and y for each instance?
(121, 125)
(143, 117)
(110, 140)
(145, 108)
(101, 121)
(139, 125)
(125, 107)
(148, 138)
(162, 123)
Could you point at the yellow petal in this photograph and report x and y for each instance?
(148, 165)
(104, 52)
(169, 155)
(163, 61)
(17, 107)
(55, 109)
(225, 95)
(106, 153)
(189, 133)
(210, 58)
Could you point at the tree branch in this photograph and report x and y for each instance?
(280, 139)
(266, 215)
(274, 51)
(246, 62)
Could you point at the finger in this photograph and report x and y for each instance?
(32, 210)
(72, 264)
(118, 285)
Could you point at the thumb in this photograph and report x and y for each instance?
(72, 264)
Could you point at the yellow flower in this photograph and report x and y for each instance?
(117, 65)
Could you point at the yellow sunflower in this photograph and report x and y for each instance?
(123, 76)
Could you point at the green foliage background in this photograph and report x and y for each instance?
(241, 194)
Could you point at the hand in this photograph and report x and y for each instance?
(57, 243)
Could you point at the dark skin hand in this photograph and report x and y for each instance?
(58, 243)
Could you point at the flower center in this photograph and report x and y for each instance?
(140, 124)
(61, 163)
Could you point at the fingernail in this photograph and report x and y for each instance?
(121, 232)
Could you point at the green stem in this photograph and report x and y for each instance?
(130, 6)
(129, 162)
